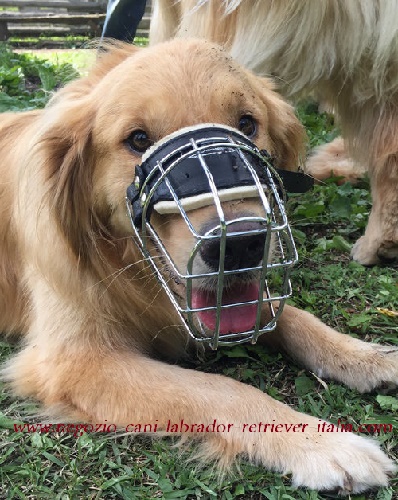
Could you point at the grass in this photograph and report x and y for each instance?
(355, 300)
(80, 59)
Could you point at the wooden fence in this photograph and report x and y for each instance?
(57, 18)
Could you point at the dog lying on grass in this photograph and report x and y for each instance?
(97, 326)
(344, 52)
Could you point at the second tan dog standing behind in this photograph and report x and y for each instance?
(344, 51)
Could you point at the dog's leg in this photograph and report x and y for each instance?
(380, 241)
(92, 382)
(331, 354)
(333, 159)
(371, 129)
(165, 20)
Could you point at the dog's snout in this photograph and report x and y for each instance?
(241, 251)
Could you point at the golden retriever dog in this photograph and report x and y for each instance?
(98, 329)
(344, 52)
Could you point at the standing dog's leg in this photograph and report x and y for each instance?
(380, 241)
(332, 354)
(333, 159)
(373, 133)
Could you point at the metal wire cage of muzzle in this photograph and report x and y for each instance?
(209, 165)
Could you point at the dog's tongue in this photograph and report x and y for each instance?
(233, 319)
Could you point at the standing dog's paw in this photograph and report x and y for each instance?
(344, 462)
(365, 250)
(370, 251)
(332, 159)
(388, 252)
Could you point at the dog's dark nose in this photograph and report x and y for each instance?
(243, 251)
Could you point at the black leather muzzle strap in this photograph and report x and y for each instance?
(180, 168)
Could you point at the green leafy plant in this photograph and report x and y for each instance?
(26, 82)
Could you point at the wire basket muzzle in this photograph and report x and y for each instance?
(236, 279)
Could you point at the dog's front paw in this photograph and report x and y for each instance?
(374, 365)
(382, 368)
(344, 462)
(365, 250)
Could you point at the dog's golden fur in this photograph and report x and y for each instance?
(94, 319)
(345, 52)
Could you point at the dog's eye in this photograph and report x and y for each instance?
(247, 125)
(138, 141)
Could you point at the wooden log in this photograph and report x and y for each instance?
(49, 31)
(51, 18)
(142, 33)
(96, 6)
(145, 23)
(4, 33)
(60, 32)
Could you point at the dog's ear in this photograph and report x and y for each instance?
(286, 132)
(112, 54)
(69, 159)
(66, 145)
